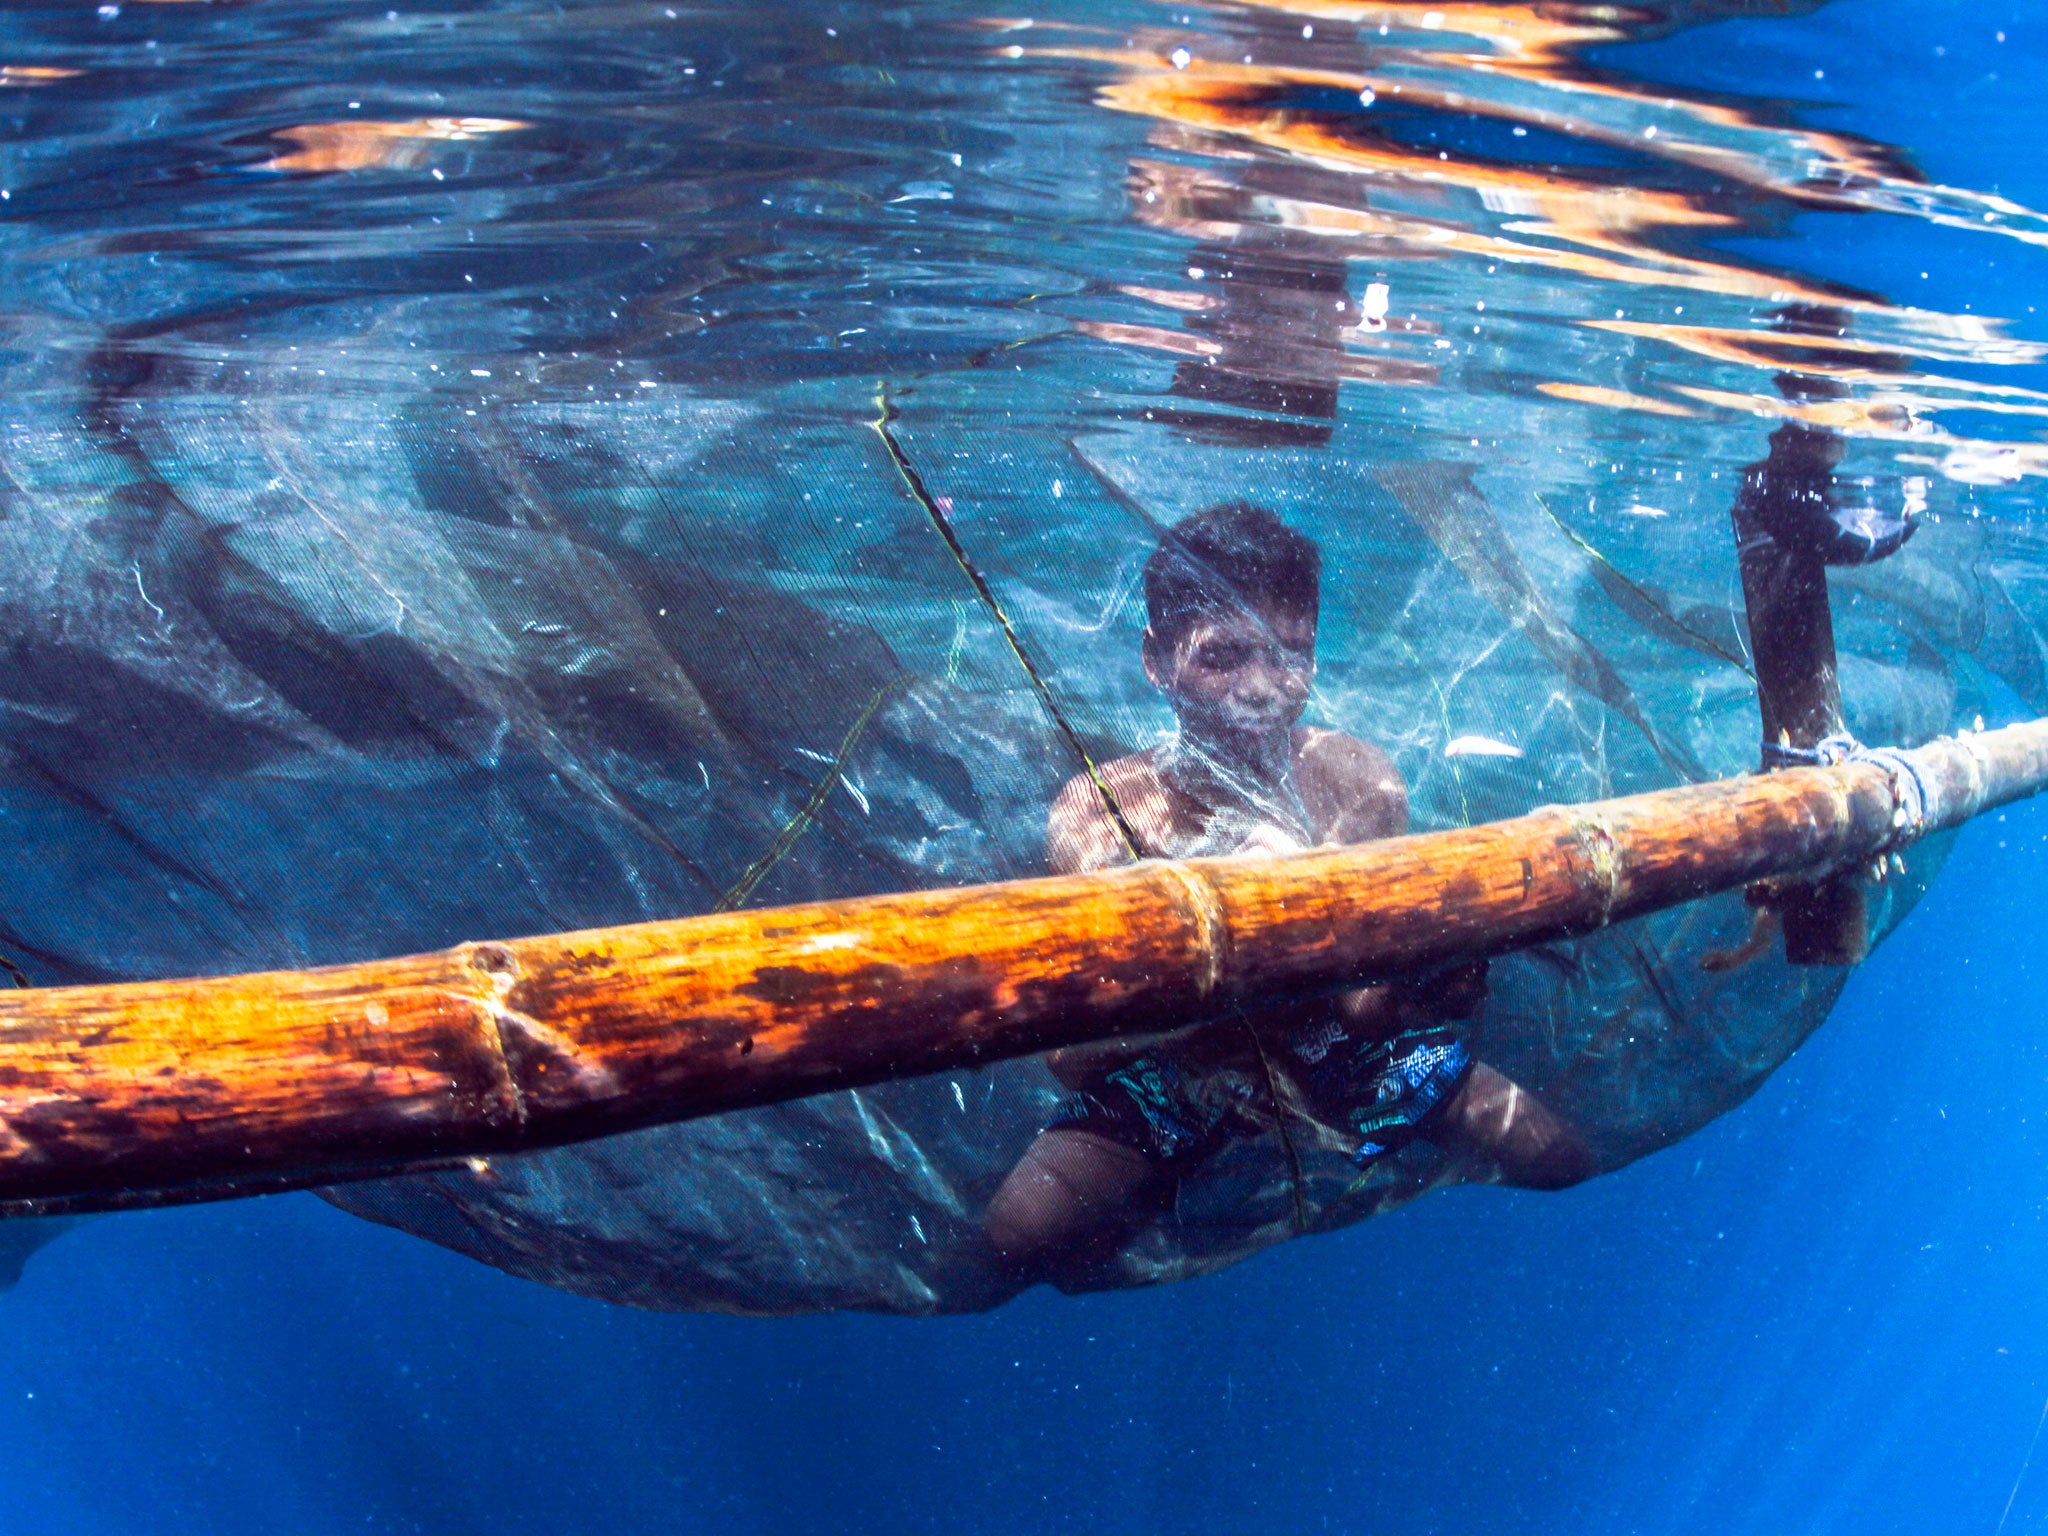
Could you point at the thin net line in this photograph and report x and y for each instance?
(796, 826)
(944, 525)
(2006, 1513)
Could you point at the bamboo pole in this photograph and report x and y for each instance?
(155, 1092)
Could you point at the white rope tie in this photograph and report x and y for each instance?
(1912, 796)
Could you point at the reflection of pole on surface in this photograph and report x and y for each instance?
(152, 1092)
(1277, 333)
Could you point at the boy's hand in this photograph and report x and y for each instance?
(1265, 842)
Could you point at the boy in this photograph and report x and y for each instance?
(1232, 597)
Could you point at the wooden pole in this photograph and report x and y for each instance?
(154, 1092)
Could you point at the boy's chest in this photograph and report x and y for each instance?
(1274, 821)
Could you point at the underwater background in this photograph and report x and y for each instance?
(1819, 1313)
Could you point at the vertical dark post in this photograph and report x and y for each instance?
(1792, 640)
(1789, 528)
(1785, 586)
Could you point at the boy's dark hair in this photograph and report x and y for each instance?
(1233, 556)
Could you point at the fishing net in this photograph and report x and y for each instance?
(818, 575)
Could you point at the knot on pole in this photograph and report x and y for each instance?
(1912, 796)
(544, 1066)
(1595, 838)
(1211, 927)
(1915, 798)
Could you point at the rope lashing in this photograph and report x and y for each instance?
(1915, 797)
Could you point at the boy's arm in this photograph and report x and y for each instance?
(1363, 798)
(1079, 834)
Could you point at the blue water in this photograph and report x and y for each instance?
(1824, 1313)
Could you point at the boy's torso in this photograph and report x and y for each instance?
(1341, 790)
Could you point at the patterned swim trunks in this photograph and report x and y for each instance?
(1175, 1113)
(1378, 1093)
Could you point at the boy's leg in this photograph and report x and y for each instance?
(1500, 1122)
(1121, 1142)
(1071, 1186)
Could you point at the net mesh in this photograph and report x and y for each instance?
(756, 513)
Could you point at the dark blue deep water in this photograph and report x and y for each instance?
(1825, 1313)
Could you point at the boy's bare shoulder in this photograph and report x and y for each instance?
(1080, 834)
(1351, 787)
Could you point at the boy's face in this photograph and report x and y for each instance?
(1237, 670)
